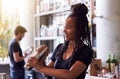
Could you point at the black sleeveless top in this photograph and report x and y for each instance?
(84, 56)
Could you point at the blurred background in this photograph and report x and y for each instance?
(44, 20)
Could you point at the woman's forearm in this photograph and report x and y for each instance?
(76, 69)
(58, 73)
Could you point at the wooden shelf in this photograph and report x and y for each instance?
(51, 12)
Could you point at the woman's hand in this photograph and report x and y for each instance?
(36, 63)
(33, 62)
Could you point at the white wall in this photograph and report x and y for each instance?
(26, 20)
(108, 28)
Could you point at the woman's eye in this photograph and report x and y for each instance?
(68, 26)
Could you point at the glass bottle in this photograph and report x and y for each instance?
(108, 61)
(113, 63)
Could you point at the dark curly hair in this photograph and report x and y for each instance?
(82, 32)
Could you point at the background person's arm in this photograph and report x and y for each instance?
(17, 58)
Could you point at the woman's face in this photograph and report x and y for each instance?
(69, 29)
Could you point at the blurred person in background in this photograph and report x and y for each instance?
(15, 54)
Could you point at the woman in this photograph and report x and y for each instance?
(71, 59)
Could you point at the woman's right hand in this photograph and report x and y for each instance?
(41, 61)
(34, 62)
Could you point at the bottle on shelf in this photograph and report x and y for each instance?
(113, 63)
(42, 3)
(51, 4)
(108, 61)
